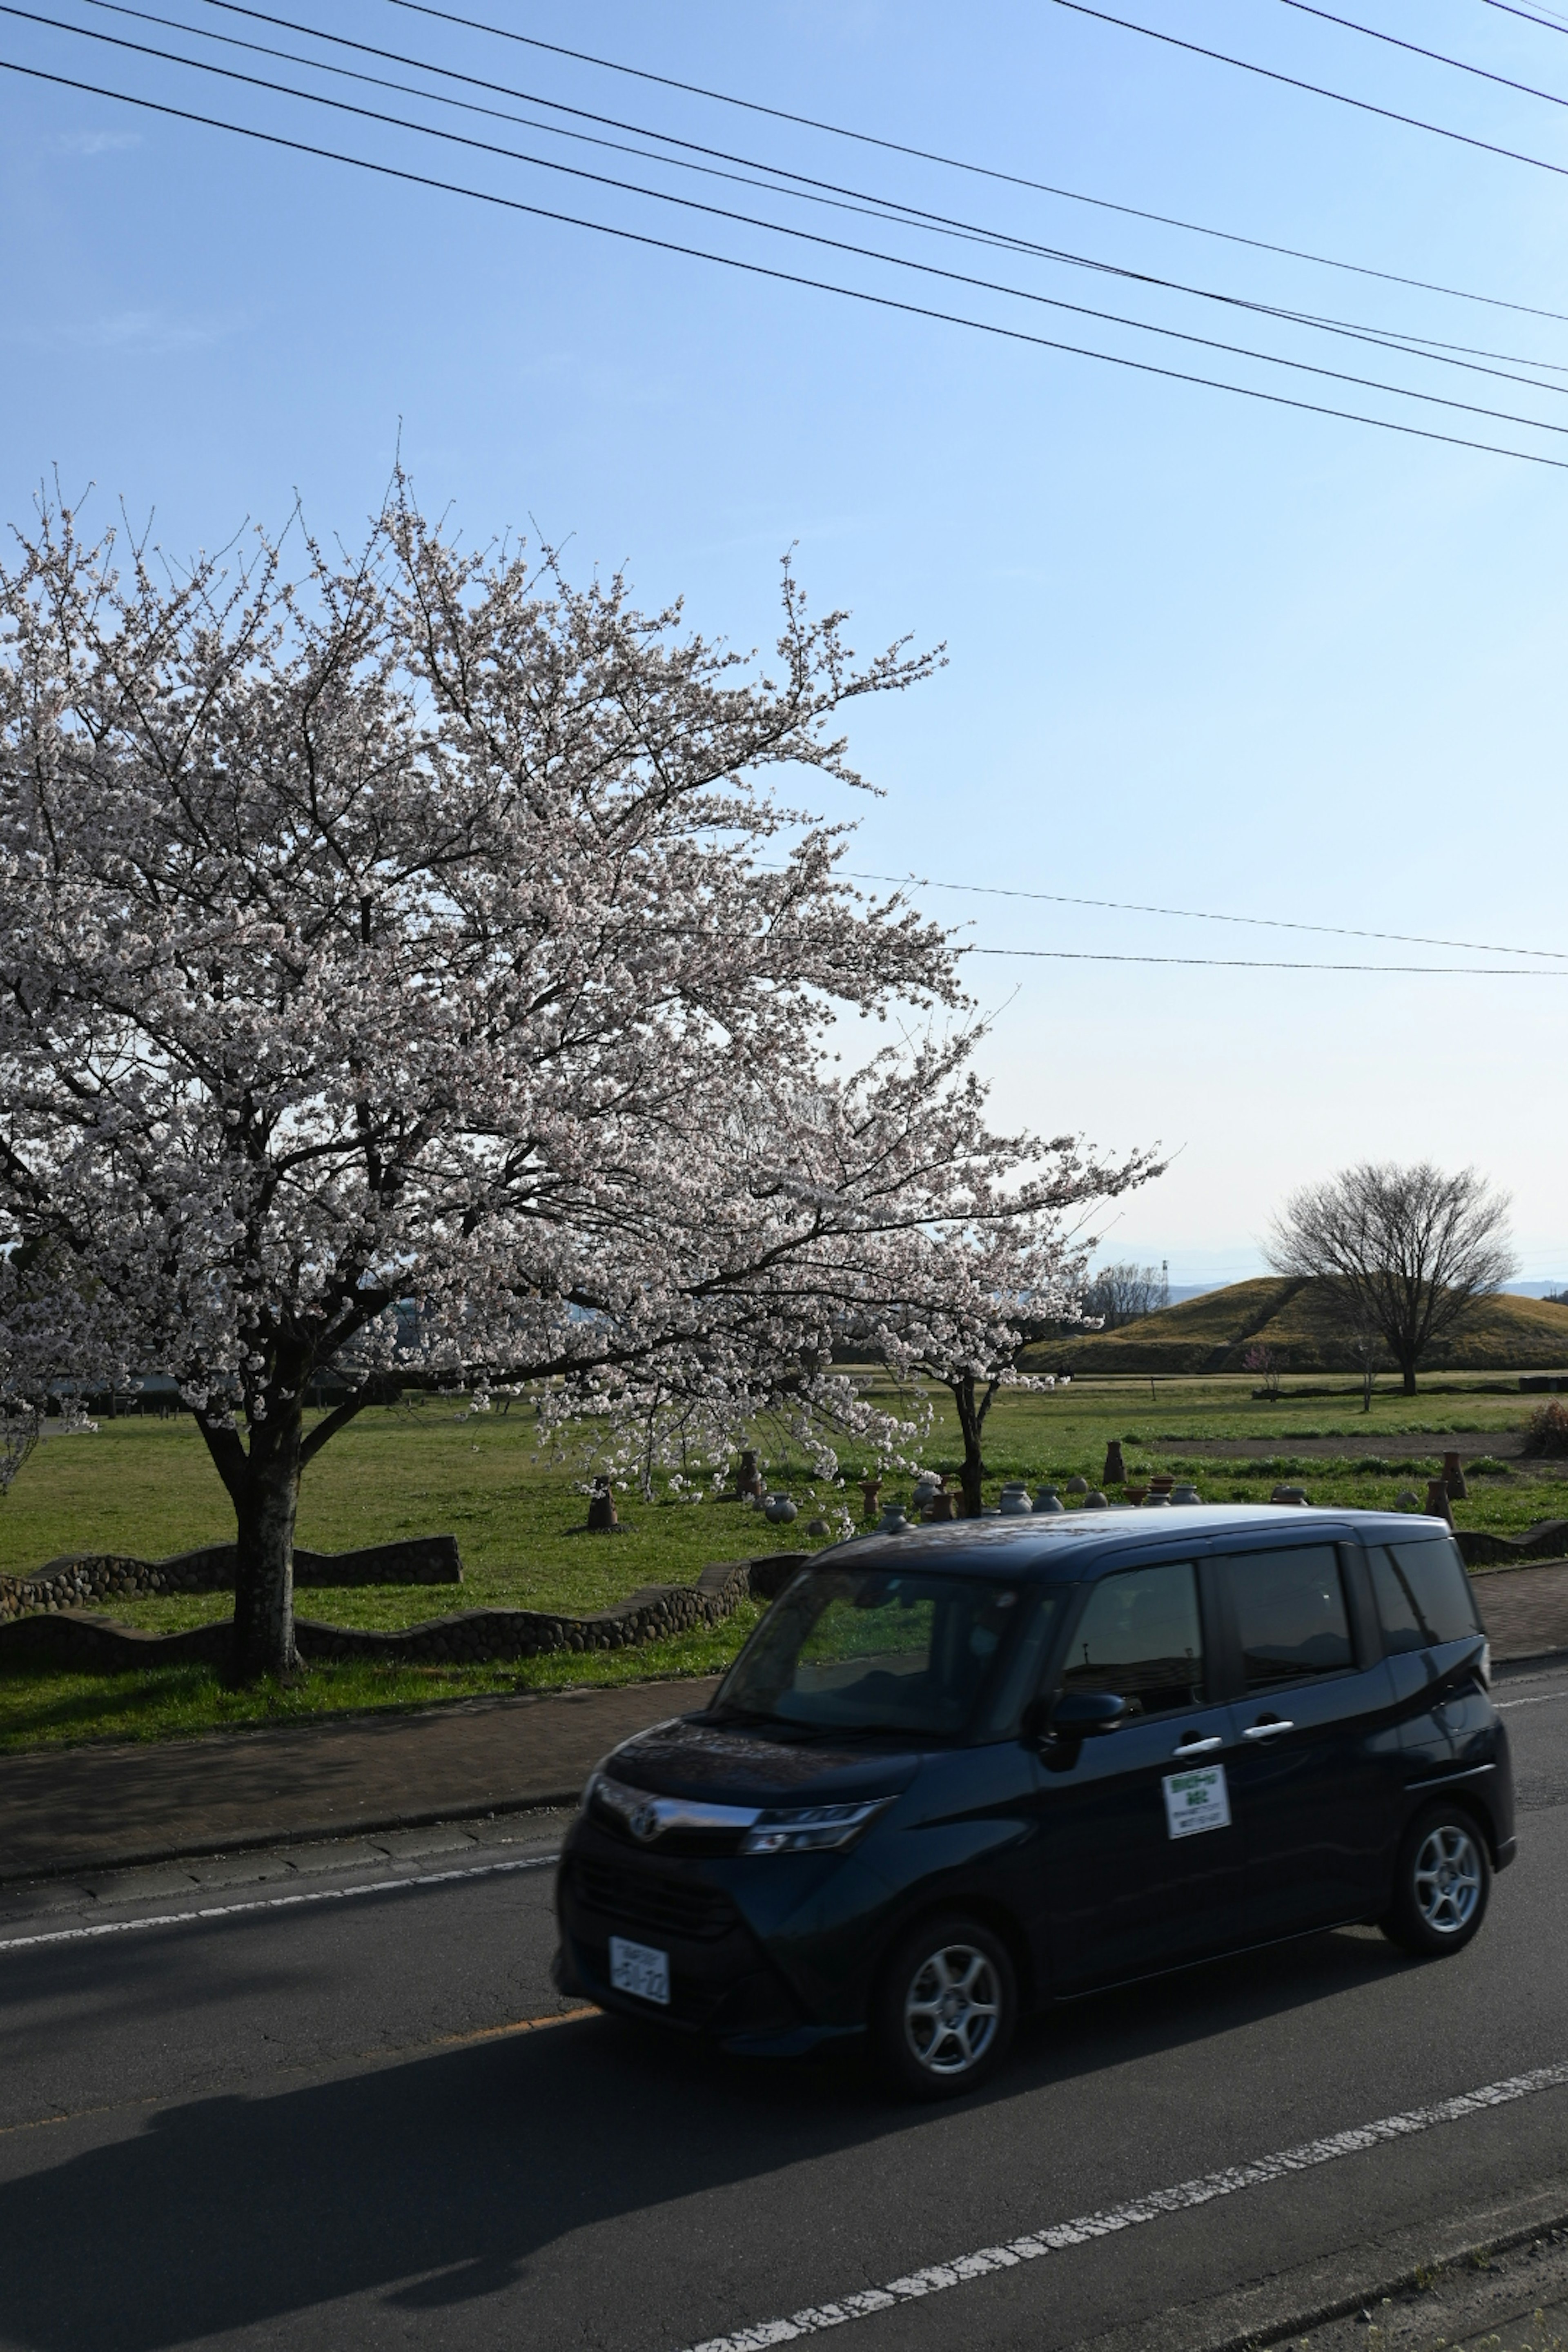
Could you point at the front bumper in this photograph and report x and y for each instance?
(721, 1983)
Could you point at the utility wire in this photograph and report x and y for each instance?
(1247, 963)
(805, 236)
(1467, 357)
(1548, 19)
(1437, 57)
(1201, 915)
(1314, 89)
(782, 276)
(955, 162)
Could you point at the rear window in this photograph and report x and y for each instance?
(1422, 1593)
(1290, 1615)
(1140, 1637)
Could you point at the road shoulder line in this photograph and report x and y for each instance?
(956, 2270)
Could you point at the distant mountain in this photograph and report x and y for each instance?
(1211, 1332)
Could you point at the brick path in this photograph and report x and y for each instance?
(1525, 1609)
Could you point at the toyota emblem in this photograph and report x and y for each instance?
(644, 1823)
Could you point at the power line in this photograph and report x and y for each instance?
(804, 235)
(1200, 915)
(1548, 19)
(954, 163)
(784, 277)
(1314, 89)
(866, 204)
(1245, 963)
(1437, 57)
(1470, 358)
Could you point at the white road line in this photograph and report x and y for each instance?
(271, 1903)
(958, 2270)
(1542, 1698)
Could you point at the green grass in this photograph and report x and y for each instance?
(1501, 1335)
(49, 1709)
(147, 1487)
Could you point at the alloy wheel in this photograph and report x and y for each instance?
(953, 2009)
(1448, 1879)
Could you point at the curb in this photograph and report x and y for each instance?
(1535, 1659)
(1262, 2314)
(248, 1840)
(1346, 2306)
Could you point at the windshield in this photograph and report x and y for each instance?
(861, 1649)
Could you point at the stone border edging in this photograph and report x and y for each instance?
(329, 1832)
(1548, 1541)
(78, 1577)
(95, 1644)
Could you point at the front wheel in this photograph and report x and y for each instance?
(1441, 1884)
(946, 2010)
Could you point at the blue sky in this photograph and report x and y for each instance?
(1203, 653)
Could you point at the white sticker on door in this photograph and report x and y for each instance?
(1197, 1800)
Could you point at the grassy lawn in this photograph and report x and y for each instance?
(147, 1487)
(45, 1709)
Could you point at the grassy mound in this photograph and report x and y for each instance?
(1297, 1320)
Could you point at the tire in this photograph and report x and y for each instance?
(946, 2008)
(1442, 1882)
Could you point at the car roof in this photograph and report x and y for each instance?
(1072, 1545)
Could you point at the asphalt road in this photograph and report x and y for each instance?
(359, 2117)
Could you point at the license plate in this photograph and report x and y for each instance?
(640, 1968)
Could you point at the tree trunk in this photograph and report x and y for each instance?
(264, 1575)
(1408, 1373)
(971, 1420)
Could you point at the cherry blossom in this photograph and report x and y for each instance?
(410, 971)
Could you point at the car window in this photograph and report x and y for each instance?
(1290, 1615)
(857, 1648)
(1422, 1593)
(1140, 1635)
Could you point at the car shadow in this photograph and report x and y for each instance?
(432, 2181)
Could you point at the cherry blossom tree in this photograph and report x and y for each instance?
(1000, 1274)
(409, 970)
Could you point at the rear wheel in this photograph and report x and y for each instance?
(1441, 1882)
(946, 2010)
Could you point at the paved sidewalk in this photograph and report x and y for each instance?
(1525, 1609)
(94, 1808)
(75, 1810)
(262, 1875)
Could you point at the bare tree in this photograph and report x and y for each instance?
(1406, 1251)
(1124, 1292)
(1357, 1325)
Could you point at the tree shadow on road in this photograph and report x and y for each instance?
(429, 2183)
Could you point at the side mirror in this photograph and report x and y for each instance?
(1082, 1715)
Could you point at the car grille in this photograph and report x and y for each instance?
(672, 1907)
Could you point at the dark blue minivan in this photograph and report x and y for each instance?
(964, 1770)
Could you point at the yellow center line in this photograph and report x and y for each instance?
(498, 2032)
(403, 2050)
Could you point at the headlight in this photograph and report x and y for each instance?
(807, 1829)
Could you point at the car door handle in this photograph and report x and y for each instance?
(1198, 1746)
(1266, 1730)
